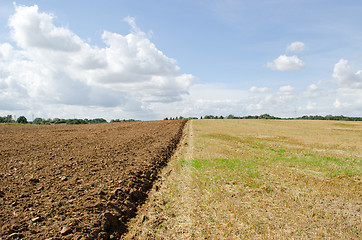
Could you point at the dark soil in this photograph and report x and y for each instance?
(79, 181)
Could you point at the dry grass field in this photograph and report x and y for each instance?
(259, 179)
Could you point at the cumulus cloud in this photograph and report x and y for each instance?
(221, 99)
(286, 90)
(315, 90)
(286, 63)
(284, 101)
(210, 98)
(289, 63)
(254, 89)
(311, 105)
(312, 87)
(337, 103)
(6, 52)
(286, 95)
(345, 75)
(52, 65)
(296, 47)
(33, 29)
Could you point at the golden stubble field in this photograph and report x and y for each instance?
(259, 179)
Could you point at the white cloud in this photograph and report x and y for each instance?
(313, 91)
(286, 63)
(221, 99)
(348, 101)
(311, 105)
(284, 101)
(337, 103)
(296, 47)
(345, 76)
(50, 71)
(204, 99)
(313, 87)
(286, 90)
(53, 66)
(6, 52)
(33, 29)
(254, 89)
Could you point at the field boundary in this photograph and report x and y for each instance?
(150, 218)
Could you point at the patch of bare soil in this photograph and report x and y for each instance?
(79, 182)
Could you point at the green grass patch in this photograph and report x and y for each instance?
(331, 166)
(221, 163)
(279, 151)
(257, 147)
(223, 170)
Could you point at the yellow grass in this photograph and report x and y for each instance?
(259, 179)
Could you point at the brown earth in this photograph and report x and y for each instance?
(79, 181)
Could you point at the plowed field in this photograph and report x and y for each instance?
(79, 182)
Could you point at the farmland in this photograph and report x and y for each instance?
(79, 182)
(228, 179)
(259, 179)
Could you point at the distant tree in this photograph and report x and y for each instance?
(38, 121)
(265, 116)
(7, 119)
(22, 119)
(76, 121)
(330, 117)
(209, 117)
(58, 121)
(98, 120)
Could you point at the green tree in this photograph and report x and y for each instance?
(22, 119)
(7, 119)
(38, 121)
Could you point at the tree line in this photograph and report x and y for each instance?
(42, 121)
(230, 116)
(330, 117)
(267, 116)
(263, 116)
(179, 118)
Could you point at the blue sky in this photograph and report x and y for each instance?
(152, 59)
